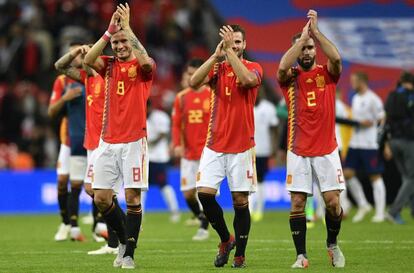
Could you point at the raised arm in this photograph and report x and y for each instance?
(56, 106)
(247, 78)
(63, 65)
(330, 50)
(289, 58)
(200, 76)
(92, 58)
(139, 51)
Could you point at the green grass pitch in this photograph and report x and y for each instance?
(26, 245)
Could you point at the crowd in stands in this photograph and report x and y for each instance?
(34, 33)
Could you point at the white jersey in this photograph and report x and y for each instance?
(367, 106)
(265, 117)
(158, 122)
(340, 112)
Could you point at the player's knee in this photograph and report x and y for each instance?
(206, 198)
(133, 197)
(62, 183)
(76, 184)
(190, 195)
(88, 189)
(240, 199)
(298, 201)
(101, 201)
(332, 205)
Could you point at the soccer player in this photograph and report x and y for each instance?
(69, 94)
(363, 153)
(190, 118)
(309, 90)
(229, 150)
(62, 170)
(93, 109)
(158, 127)
(122, 151)
(265, 135)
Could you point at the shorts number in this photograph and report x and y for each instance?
(121, 88)
(195, 116)
(136, 174)
(311, 98)
(340, 176)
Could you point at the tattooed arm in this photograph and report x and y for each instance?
(137, 48)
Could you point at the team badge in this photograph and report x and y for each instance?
(309, 80)
(320, 81)
(197, 100)
(132, 71)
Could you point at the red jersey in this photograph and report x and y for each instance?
(127, 89)
(231, 126)
(310, 98)
(95, 98)
(57, 92)
(190, 118)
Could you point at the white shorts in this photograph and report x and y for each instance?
(188, 171)
(240, 170)
(62, 167)
(325, 170)
(77, 167)
(121, 162)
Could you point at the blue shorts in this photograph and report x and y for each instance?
(76, 146)
(367, 160)
(158, 173)
(262, 167)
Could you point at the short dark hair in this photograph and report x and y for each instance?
(362, 76)
(238, 28)
(406, 76)
(195, 62)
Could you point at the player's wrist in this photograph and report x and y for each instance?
(106, 36)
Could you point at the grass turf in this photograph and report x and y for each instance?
(26, 245)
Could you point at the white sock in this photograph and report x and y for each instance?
(357, 192)
(345, 203)
(252, 201)
(260, 201)
(143, 198)
(378, 188)
(170, 198)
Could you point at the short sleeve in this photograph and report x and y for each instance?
(105, 60)
(257, 70)
(57, 90)
(83, 75)
(378, 108)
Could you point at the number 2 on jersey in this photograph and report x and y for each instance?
(121, 88)
(311, 98)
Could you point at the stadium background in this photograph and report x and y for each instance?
(373, 36)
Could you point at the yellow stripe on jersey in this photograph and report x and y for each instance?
(291, 115)
(212, 112)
